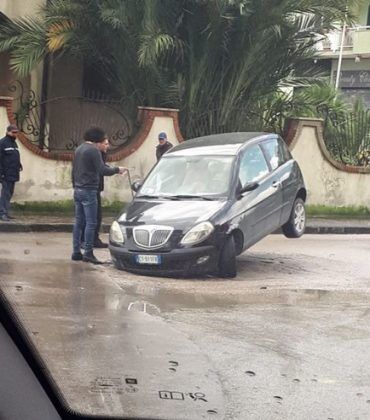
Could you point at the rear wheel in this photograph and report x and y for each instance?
(227, 261)
(295, 226)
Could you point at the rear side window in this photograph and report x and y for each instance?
(276, 152)
(253, 165)
(285, 150)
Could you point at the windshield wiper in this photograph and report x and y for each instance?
(147, 196)
(175, 197)
(167, 197)
(180, 196)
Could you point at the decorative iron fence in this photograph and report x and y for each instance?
(58, 124)
(347, 135)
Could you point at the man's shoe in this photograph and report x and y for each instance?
(4, 218)
(11, 217)
(76, 256)
(90, 257)
(100, 244)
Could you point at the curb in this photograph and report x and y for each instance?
(338, 230)
(12, 227)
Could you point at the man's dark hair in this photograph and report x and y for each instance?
(95, 134)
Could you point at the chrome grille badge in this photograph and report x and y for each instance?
(151, 236)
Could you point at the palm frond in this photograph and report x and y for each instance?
(198, 55)
(24, 60)
(59, 34)
(153, 46)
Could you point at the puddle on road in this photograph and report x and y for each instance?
(264, 278)
(167, 300)
(154, 296)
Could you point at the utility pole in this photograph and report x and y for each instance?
(340, 55)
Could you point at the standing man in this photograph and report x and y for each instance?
(163, 145)
(10, 166)
(88, 167)
(98, 243)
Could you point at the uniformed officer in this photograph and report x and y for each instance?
(10, 166)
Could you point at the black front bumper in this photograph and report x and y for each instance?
(177, 262)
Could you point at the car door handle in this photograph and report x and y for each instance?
(276, 184)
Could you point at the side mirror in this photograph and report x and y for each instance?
(135, 186)
(249, 186)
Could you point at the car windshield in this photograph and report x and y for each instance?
(189, 176)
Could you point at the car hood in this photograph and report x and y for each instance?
(179, 214)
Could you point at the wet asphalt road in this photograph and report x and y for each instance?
(289, 338)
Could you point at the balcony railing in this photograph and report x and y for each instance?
(356, 41)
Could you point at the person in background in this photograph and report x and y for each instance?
(10, 166)
(87, 168)
(163, 145)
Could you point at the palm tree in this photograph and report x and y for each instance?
(215, 60)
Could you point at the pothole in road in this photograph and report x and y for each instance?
(250, 373)
(211, 411)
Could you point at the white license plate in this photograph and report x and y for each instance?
(148, 259)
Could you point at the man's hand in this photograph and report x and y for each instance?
(122, 170)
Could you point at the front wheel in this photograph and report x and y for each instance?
(227, 261)
(296, 225)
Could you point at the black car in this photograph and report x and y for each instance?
(206, 201)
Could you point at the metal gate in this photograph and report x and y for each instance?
(347, 135)
(58, 124)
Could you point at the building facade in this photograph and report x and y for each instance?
(13, 9)
(347, 49)
(57, 102)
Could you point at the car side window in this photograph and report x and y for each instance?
(253, 165)
(285, 150)
(275, 152)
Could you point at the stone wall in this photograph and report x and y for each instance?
(328, 182)
(47, 175)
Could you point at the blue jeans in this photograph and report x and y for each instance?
(7, 190)
(86, 207)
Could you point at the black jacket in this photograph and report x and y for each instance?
(10, 161)
(88, 167)
(162, 148)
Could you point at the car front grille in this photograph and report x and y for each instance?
(151, 236)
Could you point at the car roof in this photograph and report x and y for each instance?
(217, 144)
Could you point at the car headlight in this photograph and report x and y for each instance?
(198, 233)
(115, 233)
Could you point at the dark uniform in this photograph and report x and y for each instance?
(162, 148)
(10, 166)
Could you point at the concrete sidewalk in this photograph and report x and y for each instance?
(51, 223)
